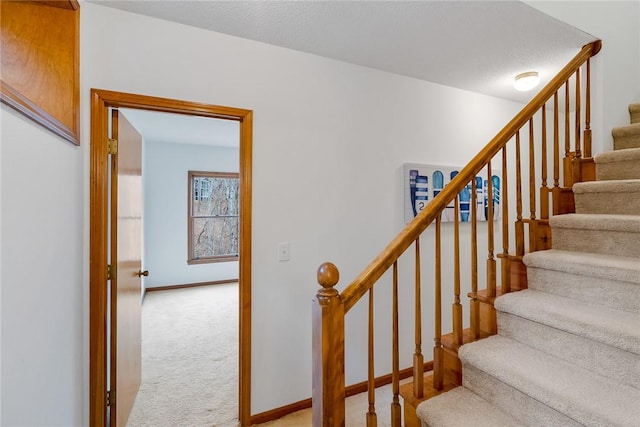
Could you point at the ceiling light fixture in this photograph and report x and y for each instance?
(526, 81)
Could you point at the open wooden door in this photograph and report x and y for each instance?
(126, 278)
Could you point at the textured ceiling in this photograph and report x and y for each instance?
(473, 45)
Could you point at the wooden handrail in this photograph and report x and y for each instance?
(399, 245)
(331, 306)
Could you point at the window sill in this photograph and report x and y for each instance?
(213, 260)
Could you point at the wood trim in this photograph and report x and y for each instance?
(351, 390)
(98, 212)
(190, 285)
(41, 72)
(22, 104)
(280, 412)
(246, 171)
(384, 380)
(101, 100)
(229, 258)
(63, 4)
(213, 259)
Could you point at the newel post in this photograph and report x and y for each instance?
(328, 351)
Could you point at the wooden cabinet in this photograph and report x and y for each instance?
(40, 68)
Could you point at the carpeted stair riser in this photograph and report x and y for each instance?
(512, 401)
(634, 112)
(443, 411)
(603, 234)
(618, 197)
(626, 137)
(622, 164)
(619, 365)
(542, 390)
(609, 293)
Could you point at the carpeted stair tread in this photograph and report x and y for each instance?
(616, 328)
(620, 197)
(632, 129)
(625, 269)
(614, 186)
(604, 234)
(612, 281)
(618, 164)
(581, 395)
(617, 156)
(626, 136)
(444, 411)
(626, 223)
(634, 112)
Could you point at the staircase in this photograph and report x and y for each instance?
(567, 352)
(568, 345)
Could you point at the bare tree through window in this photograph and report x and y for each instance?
(213, 216)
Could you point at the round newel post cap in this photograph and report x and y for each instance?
(328, 275)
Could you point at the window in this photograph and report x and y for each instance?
(213, 217)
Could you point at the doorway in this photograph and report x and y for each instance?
(101, 102)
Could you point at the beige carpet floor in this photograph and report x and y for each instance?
(190, 364)
(189, 358)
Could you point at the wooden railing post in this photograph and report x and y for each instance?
(328, 351)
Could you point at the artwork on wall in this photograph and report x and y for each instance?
(422, 183)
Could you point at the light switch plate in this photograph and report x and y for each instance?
(284, 251)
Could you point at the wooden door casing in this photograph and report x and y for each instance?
(101, 101)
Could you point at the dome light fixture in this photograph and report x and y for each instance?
(526, 81)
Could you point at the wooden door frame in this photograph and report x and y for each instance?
(101, 101)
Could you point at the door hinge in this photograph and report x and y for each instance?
(111, 272)
(109, 398)
(112, 146)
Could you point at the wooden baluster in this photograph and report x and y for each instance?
(418, 358)
(438, 366)
(556, 156)
(577, 130)
(456, 309)
(567, 165)
(519, 222)
(505, 261)
(532, 189)
(556, 142)
(544, 190)
(395, 373)
(372, 417)
(532, 173)
(328, 351)
(491, 262)
(567, 129)
(474, 307)
(587, 113)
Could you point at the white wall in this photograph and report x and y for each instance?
(43, 380)
(165, 211)
(617, 66)
(330, 139)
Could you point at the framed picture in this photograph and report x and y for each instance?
(422, 183)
